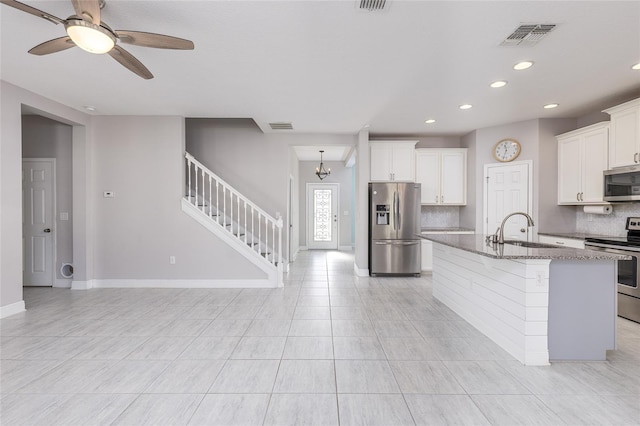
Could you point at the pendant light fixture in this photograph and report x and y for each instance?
(321, 171)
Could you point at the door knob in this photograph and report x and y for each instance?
(47, 230)
(523, 230)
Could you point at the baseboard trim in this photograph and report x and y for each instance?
(360, 272)
(81, 285)
(59, 283)
(12, 309)
(160, 283)
(345, 248)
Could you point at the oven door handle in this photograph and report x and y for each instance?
(610, 248)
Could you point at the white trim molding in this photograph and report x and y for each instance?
(12, 309)
(360, 272)
(161, 283)
(82, 285)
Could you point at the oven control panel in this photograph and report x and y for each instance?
(633, 224)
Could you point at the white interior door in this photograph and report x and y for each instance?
(322, 214)
(38, 177)
(507, 190)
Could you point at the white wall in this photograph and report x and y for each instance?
(339, 174)
(141, 160)
(46, 138)
(13, 100)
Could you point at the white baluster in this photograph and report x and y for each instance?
(203, 189)
(273, 252)
(259, 233)
(246, 231)
(210, 200)
(266, 238)
(230, 211)
(253, 234)
(238, 232)
(195, 178)
(189, 177)
(218, 201)
(224, 206)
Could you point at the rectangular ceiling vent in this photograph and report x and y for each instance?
(528, 35)
(371, 5)
(281, 126)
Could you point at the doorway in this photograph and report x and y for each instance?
(38, 204)
(507, 190)
(322, 216)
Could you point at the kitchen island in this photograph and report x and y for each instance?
(538, 303)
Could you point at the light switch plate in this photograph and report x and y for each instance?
(108, 194)
(64, 215)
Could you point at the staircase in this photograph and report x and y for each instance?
(234, 218)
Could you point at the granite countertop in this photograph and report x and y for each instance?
(574, 235)
(455, 230)
(476, 244)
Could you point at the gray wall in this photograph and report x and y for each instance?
(141, 160)
(339, 174)
(46, 138)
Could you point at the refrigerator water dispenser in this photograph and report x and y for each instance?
(382, 214)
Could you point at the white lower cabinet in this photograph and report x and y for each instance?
(560, 241)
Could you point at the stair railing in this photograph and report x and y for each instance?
(247, 222)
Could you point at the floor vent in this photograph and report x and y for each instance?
(281, 126)
(371, 5)
(528, 35)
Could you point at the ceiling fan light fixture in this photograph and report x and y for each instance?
(89, 36)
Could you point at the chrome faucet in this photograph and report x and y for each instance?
(500, 230)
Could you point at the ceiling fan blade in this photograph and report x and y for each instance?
(130, 62)
(89, 9)
(159, 41)
(32, 10)
(52, 46)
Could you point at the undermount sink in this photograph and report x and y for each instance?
(530, 244)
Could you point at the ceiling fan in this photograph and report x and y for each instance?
(87, 31)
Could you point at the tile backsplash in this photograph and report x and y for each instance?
(612, 224)
(440, 217)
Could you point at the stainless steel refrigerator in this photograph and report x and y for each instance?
(394, 222)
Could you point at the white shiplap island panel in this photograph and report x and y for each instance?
(561, 307)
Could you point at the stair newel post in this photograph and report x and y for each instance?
(189, 177)
(280, 240)
(273, 239)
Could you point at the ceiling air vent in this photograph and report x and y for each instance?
(372, 4)
(281, 126)
(528, 34)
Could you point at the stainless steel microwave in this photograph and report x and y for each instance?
(622, 184)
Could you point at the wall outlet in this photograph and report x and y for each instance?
(64, 215)
(172, 260)
(108, 194)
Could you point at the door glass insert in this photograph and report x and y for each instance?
(322, 215)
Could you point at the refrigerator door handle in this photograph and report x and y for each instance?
(396, 213)
(382, 243)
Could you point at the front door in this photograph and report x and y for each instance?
(507, 190)
(322, 213)
(38, 177)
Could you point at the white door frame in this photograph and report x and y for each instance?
(485, 204)
(54, 217)
(309, 209)
(289, 222)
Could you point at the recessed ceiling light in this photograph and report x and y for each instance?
(89, 108)
(465, 106)
(550, 106)
(635, 66)
(499, 83)
(430, 121)
(523, 65)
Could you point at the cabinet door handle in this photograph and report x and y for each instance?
(582, 196)
(578, 196)
(436, 198)
(442, 198)
(635, 157)
(560, 243)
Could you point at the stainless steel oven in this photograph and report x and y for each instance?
(628, 278)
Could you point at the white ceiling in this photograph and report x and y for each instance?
(327, 67)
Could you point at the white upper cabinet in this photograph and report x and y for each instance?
(582, 157)
(624, 145)
(393, 161)
(442, 174)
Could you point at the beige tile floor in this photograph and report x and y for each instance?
(330, 348)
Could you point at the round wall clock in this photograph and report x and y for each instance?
(506, 150)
